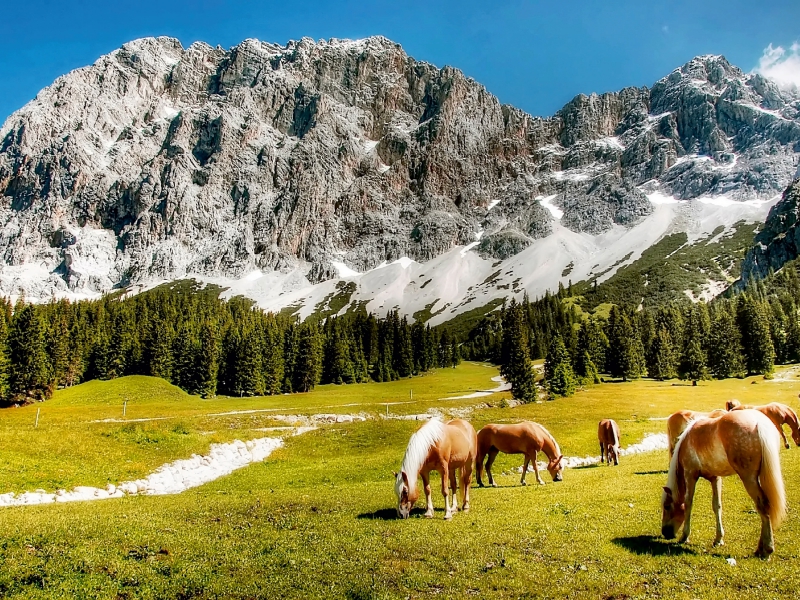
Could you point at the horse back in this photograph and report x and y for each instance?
(459, 445)
(608, 432)
(516, 438)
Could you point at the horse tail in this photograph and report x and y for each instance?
(770, 477)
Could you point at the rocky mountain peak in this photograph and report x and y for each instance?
(316, 158)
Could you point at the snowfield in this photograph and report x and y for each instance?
(171, 478)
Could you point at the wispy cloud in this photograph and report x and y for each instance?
(665, 28)
(781, 64)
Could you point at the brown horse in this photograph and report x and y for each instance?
(608, 435)
(442, 447)
(525, 438)
(779, 414)
(677, 422)
(741, 442)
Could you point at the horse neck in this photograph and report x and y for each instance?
(550, 447)
(790, 418)
(675, 479)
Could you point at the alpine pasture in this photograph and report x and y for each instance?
(317, 518)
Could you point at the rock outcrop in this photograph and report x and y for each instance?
(779, 241)
(160, 161)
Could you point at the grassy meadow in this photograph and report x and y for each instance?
(316, 519)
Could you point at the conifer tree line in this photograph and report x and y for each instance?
(205, 346)
(745, 334)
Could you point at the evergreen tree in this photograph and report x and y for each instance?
(725, 347)
(754, 323)
(207, 361)
(662, 364)
(308, 366)
(29, 373)
(516, 367)
(625, 355)
(558, 369)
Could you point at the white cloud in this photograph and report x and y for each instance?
(665, 28)
(781, 65)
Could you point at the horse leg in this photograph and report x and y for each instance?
(536, 469)
(525, 469)
(783, 435)
(602, 452)
(466, 480)
(489, 462)
(445, 481)
(716, 503)
(766, 543)
(426, 481)
(454, 489)
(479, 467)
(691, 482)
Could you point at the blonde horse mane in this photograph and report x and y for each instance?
(672, 476)
(417, 451)
(552, 439)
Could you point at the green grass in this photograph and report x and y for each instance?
(316, 519)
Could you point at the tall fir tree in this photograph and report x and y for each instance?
(558, 373)
(29, 374)
(516, 366)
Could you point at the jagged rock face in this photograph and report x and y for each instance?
(159, 161)
(779, 241)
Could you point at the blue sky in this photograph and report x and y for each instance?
(534, 55)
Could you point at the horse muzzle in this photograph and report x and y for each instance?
(558, 477)
(668, 531)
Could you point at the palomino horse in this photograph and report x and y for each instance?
(608, 436)
(779, 414)
(442, 447)
(525, 438)
(677, 423)
(742, 442)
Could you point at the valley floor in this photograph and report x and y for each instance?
(316, 519)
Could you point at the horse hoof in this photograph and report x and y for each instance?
(522, 483)
(494, 484)
(428, 515)
(542, 483)
(465, 509)
(718, 543)
(448, 516)
(788, 447)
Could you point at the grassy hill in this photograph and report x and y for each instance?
(317, 518)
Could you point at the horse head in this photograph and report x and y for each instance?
(406, 498)
(673, 514)
(732, 404)
(554, 467)
(613, 454)
(796, 436)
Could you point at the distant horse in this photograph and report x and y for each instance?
(442, 447)
(608, 436)
(525, 438)
(677, 423)
(779, 414)
(742, 442)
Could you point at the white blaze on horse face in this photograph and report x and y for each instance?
(404, 504)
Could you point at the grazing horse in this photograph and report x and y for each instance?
(779, 414)
(677, 423)
(525, 438)
(608, 435)
(742, 442)
(442, 447)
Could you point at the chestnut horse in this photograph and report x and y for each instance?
(608, 435)
(525, 438)
(743, 442)
(779, 414)
(442, 447)
(677, 422)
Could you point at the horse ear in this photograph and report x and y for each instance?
(395, 474)
(668, 491)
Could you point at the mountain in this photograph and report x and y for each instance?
(778, 242)
(331, 174)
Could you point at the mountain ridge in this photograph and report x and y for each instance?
(314, 162)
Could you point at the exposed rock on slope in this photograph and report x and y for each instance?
(779, 241)
(317, 159)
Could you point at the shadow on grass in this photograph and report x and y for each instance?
(662, 472)
(390, 514)
(652, 545)
(594, 466)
